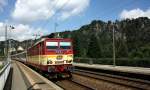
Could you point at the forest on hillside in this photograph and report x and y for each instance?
(132, 39)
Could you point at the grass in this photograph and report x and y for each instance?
(2, 58)
(1, 66)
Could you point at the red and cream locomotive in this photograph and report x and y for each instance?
(51, 55)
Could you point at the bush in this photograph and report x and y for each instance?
(144, 62)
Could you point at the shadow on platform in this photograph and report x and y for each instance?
(9, 80)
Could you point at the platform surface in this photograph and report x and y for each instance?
(17, 79)
(21, 77)
(137, 70)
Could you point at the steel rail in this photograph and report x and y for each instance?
(73, 84)
(126, 81)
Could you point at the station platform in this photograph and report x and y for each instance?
(17, 79)
(24, 78)
(125, 69)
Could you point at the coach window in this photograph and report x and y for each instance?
(51, 45)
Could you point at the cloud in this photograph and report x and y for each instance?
(2, 4)
(33, 10)
(72, 7)
(2, 29)
(21, 32)
(134, 13)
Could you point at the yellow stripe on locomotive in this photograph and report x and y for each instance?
(51, 59)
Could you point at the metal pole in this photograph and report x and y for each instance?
(114, 56)
(6, 48)
(26, 54)
(8, 42)
(55, 30)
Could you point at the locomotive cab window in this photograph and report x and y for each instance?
(51, 45)
(65, 45)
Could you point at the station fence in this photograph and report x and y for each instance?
(4, 72)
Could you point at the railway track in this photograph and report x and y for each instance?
(88, 80)
(101, 81)
(72, 85)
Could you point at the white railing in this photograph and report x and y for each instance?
(4, 72)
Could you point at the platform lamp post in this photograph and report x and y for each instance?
(6, 42)
(11, 28)
(6, 38)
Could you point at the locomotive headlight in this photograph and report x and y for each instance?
(49, 61)
(69, 61)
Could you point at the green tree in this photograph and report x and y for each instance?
(76, 47)
(93, 48)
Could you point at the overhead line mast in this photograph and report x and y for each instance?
(114, 52)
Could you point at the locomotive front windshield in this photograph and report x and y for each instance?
(51, 45)
(65, 45)
(56, 45)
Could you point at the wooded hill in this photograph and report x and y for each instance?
(132, 39)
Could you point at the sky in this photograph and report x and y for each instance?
(31, 17)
